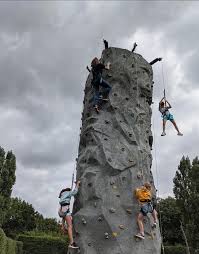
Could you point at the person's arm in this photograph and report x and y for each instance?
(107, 66)
(88, 69)
(155, 60)
(74, 192)
(160, 102)
(169, 105)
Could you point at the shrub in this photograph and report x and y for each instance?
(178, 249)
(43, 244)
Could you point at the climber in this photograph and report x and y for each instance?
(155, 60)
(98, 81)
(164, 107)
(134, 46)
(144, 196)
(64, 212)
(105, 44)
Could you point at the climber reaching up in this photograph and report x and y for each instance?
(144, 196)
(164, 107)
(98, 81)
(64, 212)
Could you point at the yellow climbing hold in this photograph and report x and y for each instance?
(114, 187)
(115, 234)
(121, 226)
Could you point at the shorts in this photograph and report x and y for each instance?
(146, 208)
(64, 211)
(168, 117)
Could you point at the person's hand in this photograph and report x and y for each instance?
(78, 183)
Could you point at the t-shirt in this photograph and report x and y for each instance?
(164, 110)
(143, 194)
(66, 196)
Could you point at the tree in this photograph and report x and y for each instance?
(7, 180)
(170, 221)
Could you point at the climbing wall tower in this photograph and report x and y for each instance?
(115, 158)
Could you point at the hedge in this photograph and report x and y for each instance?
(43, 244)
(9, 246)
(178, 249)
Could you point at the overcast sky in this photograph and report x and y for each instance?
(44, 49)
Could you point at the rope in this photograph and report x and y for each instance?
(156, 165)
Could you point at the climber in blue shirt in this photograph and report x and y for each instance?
(64, 211)
(164, 107)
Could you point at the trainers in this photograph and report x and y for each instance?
(97, 109)
(163, 133)
(180, 134)
(154, 225)
(73, 246)
(139, 235)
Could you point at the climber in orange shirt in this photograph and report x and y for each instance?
(144, 196)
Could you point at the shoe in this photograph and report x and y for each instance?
(97, 109)
(139, 235)
(180, 134)
(163, 133)
(73, 246)
(154, 225)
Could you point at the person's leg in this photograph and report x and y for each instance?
(176, 127)
(106, 86)
(68, 219)
(163, 127)
(155, 216)
(140, 223)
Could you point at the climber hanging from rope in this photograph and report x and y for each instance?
(164, 107)
(98, 81)
(64, 212)
(144, 196)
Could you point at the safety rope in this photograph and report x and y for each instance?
(156, 167)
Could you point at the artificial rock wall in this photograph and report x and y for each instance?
(115, 158)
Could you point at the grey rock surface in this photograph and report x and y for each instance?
(115, 158)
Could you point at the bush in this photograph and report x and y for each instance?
(178, 249)
(9, 246)
(43, 244)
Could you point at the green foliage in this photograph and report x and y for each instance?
(175, 249)
(7, 180)
(43, 244)
(170, 218)
(9, 246)
(186, 190)
(20, 217)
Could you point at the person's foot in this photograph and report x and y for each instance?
(180, 134)
(163, 133)
(154, 225)
(73, 246)
(139, 235)
(97, 109)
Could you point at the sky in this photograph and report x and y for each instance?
(44, 50)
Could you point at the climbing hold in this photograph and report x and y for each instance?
(118, 195)
(87, 114)
(84, 221)
(129, 211)
(121, 226)
(115, 94)
(109, 75)
(132, 65)
(126, 98)
(134, 88)
(112, 182)
(115, 108)
(76, 159)
(100, 219)
(139, 175)
(123, 149)
(95, 204)
(114, 234)
(114, 187)
(89, 184)
(130, 134)
(123, 178)
(106, 235)
(106, 122)
(131, 161)
(112, 210)
(89, 244)
(105, 139)
(109, 159)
